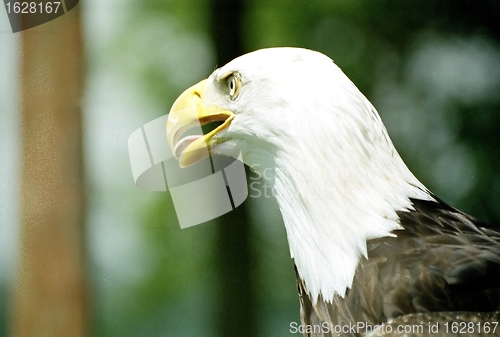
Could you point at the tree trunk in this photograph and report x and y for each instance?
(236, 296)
(49, 298)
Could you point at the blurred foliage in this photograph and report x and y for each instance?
(176, 292)
(166, 46)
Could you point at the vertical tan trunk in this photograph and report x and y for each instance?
(49, 298)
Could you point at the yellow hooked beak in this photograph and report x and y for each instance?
(188, 112)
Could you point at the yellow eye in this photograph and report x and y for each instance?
(233, 86)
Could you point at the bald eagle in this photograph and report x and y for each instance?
(375, 252)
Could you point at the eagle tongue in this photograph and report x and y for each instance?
(184, 143)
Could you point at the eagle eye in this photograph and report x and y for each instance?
(233, 85)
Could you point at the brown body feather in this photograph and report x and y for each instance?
(443, 267)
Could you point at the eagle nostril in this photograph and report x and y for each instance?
(197, 97)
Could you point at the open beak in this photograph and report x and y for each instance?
(189, 112)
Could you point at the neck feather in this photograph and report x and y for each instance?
(335, 196)
(330, 217)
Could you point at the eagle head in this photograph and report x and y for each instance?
(337, 177)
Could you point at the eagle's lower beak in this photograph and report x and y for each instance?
(188, 112)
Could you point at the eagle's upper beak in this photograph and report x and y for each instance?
(188, 112)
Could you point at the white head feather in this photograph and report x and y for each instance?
(337, 177)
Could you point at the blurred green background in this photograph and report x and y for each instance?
(431, 68)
